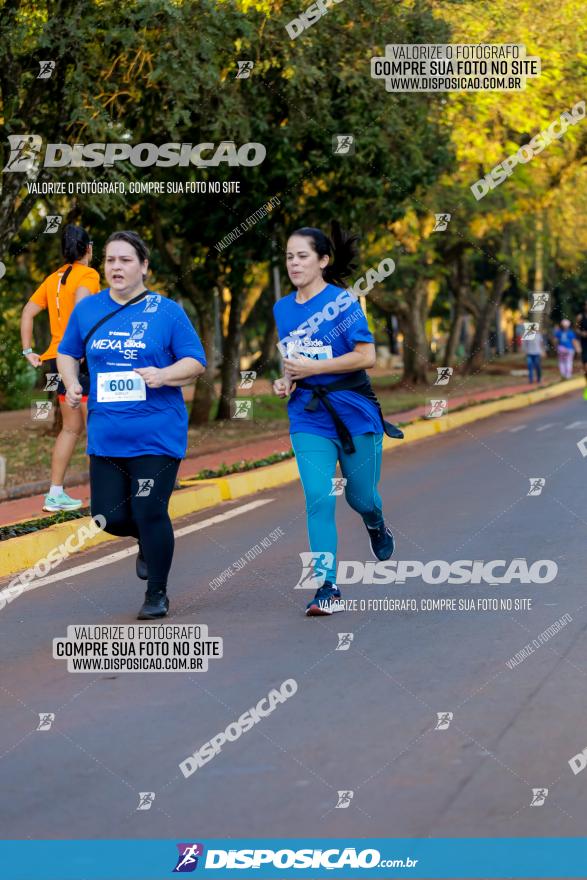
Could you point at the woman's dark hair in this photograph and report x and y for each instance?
(75, 242)
(142, 251)
(341, 247)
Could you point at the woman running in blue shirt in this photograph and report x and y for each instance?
(140, 349)
(333, 412)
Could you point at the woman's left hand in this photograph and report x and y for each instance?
(153, 376)
(301, 367)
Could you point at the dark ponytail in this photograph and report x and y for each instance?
(341, 248)
(74, 243)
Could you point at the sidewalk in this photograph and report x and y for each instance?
(31, 508)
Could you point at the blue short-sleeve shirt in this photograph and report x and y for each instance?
(326, 326)
(154, 332)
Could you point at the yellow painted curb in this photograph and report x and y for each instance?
(25, 551)
(18, 554)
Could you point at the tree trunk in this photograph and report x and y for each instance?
(459, 285)
(205, 394)
(230, 352)
(267, 359)
(415, 345)
(477, 358)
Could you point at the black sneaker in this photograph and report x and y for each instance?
(326, 601)
(155, 605)
(382, 543)
(141, 566)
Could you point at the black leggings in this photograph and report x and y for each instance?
(133, 496)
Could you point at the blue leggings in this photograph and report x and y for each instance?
(316, 457)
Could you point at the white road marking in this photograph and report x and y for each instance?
(575, 425)
(130, 551)
(517, 428)
(546, 427)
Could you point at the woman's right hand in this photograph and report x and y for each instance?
(34, 359)
(73, 395)
(282, 387)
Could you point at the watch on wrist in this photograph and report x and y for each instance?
(26, 351)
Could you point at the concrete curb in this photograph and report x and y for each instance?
(27, 550)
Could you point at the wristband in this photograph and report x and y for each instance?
(26, 351)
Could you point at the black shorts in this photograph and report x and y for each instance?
(84, 380)
(584, 351)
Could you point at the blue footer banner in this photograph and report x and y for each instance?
(277, 858)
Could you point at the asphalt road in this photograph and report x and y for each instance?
(363, 719)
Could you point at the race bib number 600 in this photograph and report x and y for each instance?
(121, 386)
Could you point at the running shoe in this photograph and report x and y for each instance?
(62, 501)
(141, 566)
(326, 601)
(585, 394)
(155, 605)
(382, 543)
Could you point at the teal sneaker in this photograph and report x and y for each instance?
(53, 503)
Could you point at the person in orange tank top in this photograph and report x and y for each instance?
(58, 294)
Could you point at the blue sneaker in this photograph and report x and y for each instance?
(54, 503)
(326, 601)
(382, 543)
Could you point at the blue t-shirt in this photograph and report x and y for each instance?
(326, 326)
(154, 332)
(565, 337)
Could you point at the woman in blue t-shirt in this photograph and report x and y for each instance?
(334, 416)
(140, 349)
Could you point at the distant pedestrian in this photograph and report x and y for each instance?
(567, 344)
(533, 348)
